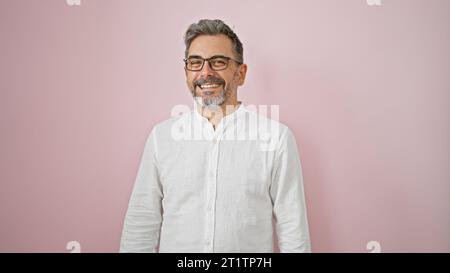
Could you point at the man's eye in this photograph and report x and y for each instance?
(195, 62)
(219, 62)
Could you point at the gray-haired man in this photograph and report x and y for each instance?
(204, 183)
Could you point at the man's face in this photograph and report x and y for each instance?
(214, 88)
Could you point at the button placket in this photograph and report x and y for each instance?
(217, 136)
(212, 211)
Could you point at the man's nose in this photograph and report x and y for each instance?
(206, 70)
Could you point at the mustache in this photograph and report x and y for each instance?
(209, 80)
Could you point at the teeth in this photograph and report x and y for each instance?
(209, 86)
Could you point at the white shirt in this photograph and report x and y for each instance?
(205, 190)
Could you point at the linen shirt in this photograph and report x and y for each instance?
(223, 189)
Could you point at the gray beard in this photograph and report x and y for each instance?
(211, 103)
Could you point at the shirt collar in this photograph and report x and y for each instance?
(239, 110)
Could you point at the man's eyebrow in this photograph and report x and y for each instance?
(195, 56)
(215, 56)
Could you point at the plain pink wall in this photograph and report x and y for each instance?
(366, 90)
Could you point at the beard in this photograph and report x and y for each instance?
(210, 102)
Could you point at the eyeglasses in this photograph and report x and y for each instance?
(216, 63)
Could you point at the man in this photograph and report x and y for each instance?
(205, 182)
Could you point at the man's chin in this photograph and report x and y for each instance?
(207, 104)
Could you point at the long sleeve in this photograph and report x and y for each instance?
(143, 219)
(288, 198)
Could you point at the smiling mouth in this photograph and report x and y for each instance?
(209, 85)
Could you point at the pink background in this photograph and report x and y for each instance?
(366, 90)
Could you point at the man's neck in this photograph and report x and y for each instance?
(215, 116)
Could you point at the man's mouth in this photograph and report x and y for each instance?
(209, 83)
(209, 86)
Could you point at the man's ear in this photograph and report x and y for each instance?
(242, 73)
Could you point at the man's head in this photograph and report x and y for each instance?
(213, 82)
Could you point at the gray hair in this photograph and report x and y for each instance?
(213, 27)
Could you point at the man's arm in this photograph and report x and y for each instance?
(142, 225)
(288, 198)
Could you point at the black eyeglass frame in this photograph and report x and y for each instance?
(185, 60)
